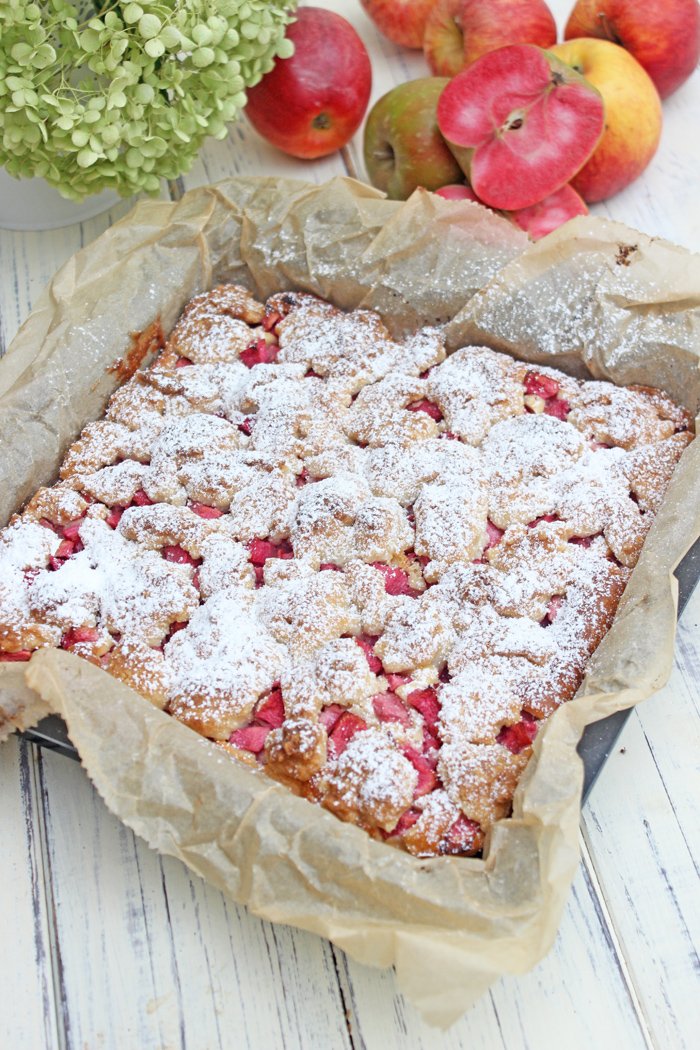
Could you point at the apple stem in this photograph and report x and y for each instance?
(607, 28)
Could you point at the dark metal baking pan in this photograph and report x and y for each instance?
(596, 743)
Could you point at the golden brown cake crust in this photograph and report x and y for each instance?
(362, 567)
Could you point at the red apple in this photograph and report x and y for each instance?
(539, 219)
(443, 43)
(663, 35)
(460, 31)
(402, 21)
(521, 123)
(312, 103)
(549, 214)
(457, 191)
(403, 147)
(632, 115)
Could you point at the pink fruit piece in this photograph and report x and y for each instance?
(427, 777)
(555, 604)
(141, 499)
(431, 742)
(429, 407)
(71, 531)
(557, 407)
(250, 738)
(426, 702)
(388, 707)
(271, 320)
(65, 549)
(330, 566)
(46, 524)
(20, 656)
(582, 541)
(114, 517)
(178, 555)
(246, 427)
(259, 353)
(544, 517)
(271, 710)
(540, 385)
(395, 681)
(521, 123)
(493, 535)
(206, 512)
(366, 644)
(548, 215)
(519, 736)
(406, 821)
(330, 715)
(261, 550)
(344, 730)
(458, 191)
(461, 837)
(183, 362)
(76, 635)
(395, 580)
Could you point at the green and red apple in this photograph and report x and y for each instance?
(443, 41)
(401, 21)
(663, 35)
(460, 31)
(311, 104)
(403, 147)
(632, 115)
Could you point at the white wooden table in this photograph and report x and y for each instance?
(105, 944)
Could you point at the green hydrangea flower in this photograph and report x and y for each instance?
(119, 95)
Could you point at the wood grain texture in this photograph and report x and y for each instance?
(114, 946)
(582, 988)
(28, 261)
(148, 955)
(642, 836)
(28, 1000)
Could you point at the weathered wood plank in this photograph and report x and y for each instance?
(578, 996)
(534, 1010)
(642, 831)
(28, 261)
(153, 957)
(28, 1008)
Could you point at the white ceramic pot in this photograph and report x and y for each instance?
(31, 204)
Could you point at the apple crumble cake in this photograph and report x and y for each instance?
(365, 568)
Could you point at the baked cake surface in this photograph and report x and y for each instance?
(364, 568)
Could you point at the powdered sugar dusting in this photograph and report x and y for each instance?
(365, 567)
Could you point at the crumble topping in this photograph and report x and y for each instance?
(364, 568)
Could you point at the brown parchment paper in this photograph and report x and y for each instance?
(595, 298)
